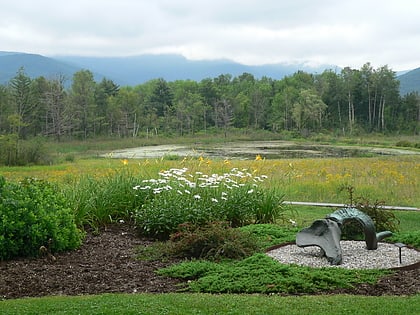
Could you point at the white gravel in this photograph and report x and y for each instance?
(355, 256)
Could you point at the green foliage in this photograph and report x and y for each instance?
(271, 234)
(217, 238)
(249, 204)
(8, 152)
(179, 197)
(33, 152)
(213, 241)
(262, 274)
(22, 152)
(160, 216)
(411, 238)
(97, 201)
(407, 144)
(384, 220)
(34, 214)
(268, 206)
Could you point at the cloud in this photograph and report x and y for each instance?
(248, 31)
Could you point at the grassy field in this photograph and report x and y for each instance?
(393, 180)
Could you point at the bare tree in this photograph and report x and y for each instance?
(224, 115)
(56, 122)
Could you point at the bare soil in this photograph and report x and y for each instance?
(106, 263)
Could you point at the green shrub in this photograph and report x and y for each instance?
(33, 151)
(384, 220)
(407, 144)
(34, 214)
(213, 241)
(15, 151)
(217, 240)
(9, 149)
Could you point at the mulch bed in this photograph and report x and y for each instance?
(106, 263)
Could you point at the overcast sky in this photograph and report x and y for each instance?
(343, 33)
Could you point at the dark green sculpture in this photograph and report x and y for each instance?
(326, 233)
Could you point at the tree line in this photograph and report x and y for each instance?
(347, 102)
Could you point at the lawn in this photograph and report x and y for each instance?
(212, 304)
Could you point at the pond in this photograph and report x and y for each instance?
(250, 149)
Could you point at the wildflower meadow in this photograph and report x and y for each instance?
(392, 179)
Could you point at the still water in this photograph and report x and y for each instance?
(250, 149)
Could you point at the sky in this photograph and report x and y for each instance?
(315, 32)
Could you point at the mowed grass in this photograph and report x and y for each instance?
(212, 304)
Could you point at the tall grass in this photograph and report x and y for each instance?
(393, 180)
(97, 201)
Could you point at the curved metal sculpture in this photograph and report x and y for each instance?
(326, 233)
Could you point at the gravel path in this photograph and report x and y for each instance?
(355, 256)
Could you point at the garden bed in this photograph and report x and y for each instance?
(106, 263)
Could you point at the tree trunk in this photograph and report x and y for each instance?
(383, 114)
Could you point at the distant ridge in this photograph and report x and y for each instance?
(410, 82)
(34, 66)
(139, 69)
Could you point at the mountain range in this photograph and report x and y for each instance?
(139, 69)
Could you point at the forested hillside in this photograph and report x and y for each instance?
(410, 81)
(349, 102)
(34, 65)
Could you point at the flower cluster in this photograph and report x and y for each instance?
(178, 196)
(183, 182)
